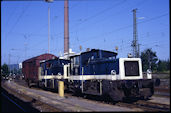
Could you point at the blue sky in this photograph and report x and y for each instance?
(100, 24)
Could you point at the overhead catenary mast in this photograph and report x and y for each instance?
(66, 28)
(135, 39)
(9, 59)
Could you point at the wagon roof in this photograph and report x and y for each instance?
(41, 57)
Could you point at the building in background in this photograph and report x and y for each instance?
(20, 65)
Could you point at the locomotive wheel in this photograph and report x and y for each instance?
(43, 87)
(145, 98)
(116, 95)
(147, 92)
(38, 84)
(29, 83)
(77, 92)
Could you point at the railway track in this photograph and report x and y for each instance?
(71, 104)
(162, 92)
(146, 106)
(153, 106)
(11, 103)
(142, 105)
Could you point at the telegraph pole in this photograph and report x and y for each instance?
(135, 40)
(25, 44)
(138, 50)
(9, 62)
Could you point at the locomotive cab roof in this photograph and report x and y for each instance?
(110, 53)
(97, 50)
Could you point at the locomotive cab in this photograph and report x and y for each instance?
(51, 71)
(130, 69)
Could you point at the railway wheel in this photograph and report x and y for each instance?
(146, 93)
(116, 95)
(38, 84)
(29, 83)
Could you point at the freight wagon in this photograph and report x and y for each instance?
(30, 68)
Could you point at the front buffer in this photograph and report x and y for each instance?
(120, 89)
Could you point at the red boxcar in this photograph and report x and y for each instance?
(30, 67)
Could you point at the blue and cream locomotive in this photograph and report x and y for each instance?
(98, 72)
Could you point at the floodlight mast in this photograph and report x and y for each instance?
(49, 1)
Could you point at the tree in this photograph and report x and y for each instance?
(19, 71)
(149, 60)
(168, 64)
(4, 70)
(163, 65)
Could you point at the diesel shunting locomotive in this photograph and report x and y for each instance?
(94, 72)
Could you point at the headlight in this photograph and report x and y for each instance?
(149, 74)
(113, 72)
(149, 71)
